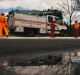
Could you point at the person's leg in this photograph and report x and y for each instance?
(53, 33)
(6, 31)
(76, 33)
(0, 31)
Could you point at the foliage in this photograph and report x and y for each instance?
(68, 7)
(56, 12)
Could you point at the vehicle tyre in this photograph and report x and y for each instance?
(62, 33)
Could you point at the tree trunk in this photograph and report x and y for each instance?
(70, 21)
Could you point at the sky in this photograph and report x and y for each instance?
(31, 4)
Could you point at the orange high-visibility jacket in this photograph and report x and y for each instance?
(3, 20)
(76, 26)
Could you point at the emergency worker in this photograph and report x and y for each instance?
(76, 28)
(3, 25)
(52, 25)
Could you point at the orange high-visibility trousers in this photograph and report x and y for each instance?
(0, 30)
(76, 28)
(3, 27)
(76, 33)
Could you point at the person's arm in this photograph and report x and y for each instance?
(6, 22)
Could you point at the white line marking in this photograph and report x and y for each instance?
(14, 37)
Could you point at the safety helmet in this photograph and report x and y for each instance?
(2, 14)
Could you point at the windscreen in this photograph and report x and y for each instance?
(58, 20)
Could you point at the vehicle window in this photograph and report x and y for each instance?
(50, 18)
(58, 20)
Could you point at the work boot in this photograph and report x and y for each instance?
(6, 35)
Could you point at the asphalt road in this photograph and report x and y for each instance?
(41, 45)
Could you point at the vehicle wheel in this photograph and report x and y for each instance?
(62, 33)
